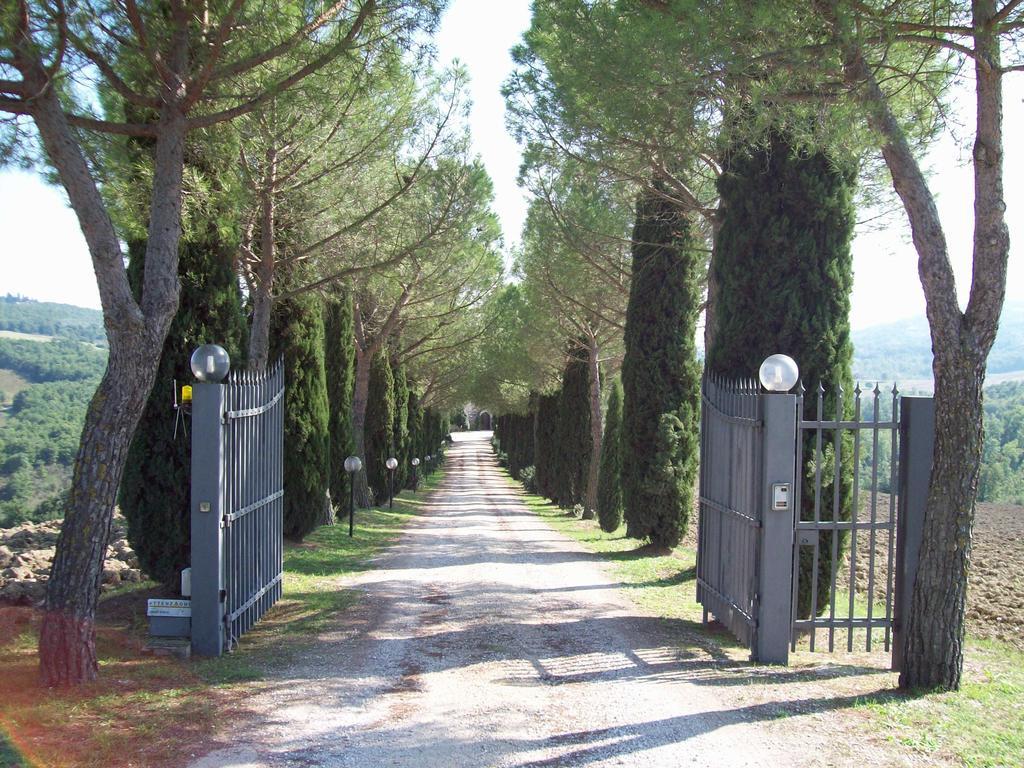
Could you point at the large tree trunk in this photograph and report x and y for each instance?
(594, 470)
(360, 396)
(259, 331)
(960, 340)
(934, 649)
(67, 649)
(67, 645)
(263, 300)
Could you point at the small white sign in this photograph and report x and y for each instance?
(780, 496)
(164, 607)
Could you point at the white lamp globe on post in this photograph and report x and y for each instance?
(415, 467)
(779, 373)
(352, 465)
(392, 465)
(210, 363)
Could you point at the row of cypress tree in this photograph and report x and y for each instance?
(314, 335)
(782, 268)
(650, 447)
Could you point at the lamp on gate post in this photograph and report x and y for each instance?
(210, 363)
(352, 465)
(415, 480)
(392, 465)
(778, 373)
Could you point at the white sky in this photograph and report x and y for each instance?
(43, 255)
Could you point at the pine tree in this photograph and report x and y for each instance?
(380, 424)
(339, 362)
(609, 487)
(660, 374)
(793, 211)
(154, 492)
(298, 334)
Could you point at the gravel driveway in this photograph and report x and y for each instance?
(486, 639)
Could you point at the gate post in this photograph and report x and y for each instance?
(917, 441)
(774, 610)
(207, 511)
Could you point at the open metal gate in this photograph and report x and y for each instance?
(796, 512)
(237, 505)
(729, 522)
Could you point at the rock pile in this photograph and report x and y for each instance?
(26, 555)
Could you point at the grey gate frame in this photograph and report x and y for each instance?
(237, 507)
(748, 445)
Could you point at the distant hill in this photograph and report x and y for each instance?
(48, 319)
(902, 350)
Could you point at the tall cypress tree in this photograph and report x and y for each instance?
(401, 449)
(339, 361)
(546, 450)
(297, 333)
(609, 485)
(660, 374)
(380, 424)
(783, 256)
(574, 443)
(415, 434)
(154, 493)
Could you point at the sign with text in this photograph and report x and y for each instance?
(165, 607)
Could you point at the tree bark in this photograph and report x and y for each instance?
(67, 645)
(263, 300)
(593, 471)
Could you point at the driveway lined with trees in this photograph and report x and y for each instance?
(484, 637)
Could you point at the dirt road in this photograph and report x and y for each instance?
(486, 639)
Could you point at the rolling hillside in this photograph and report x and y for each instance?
(901, 351)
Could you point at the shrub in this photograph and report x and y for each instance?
(528, 477)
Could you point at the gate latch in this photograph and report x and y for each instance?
(780, 497)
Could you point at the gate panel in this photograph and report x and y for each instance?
(731, 472)
(254, 500)
(237, 505)
(847, 498)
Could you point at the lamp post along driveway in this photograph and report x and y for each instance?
(392, 465)
(352, 465)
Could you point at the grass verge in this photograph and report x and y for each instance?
(980, 726)
(159, 711)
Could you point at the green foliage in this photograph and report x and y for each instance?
(1002, 468)
(528, 477)
(416, 439)
(546, 448)
(154, 493)
(794, 210)
(609, 486)
(38, 441)
(298, 336)
(58, 360)
(47, 319)
(402, 448)
(513, 434)
(573, 447)
(380, 424)
(660, 373)
(339, 363)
